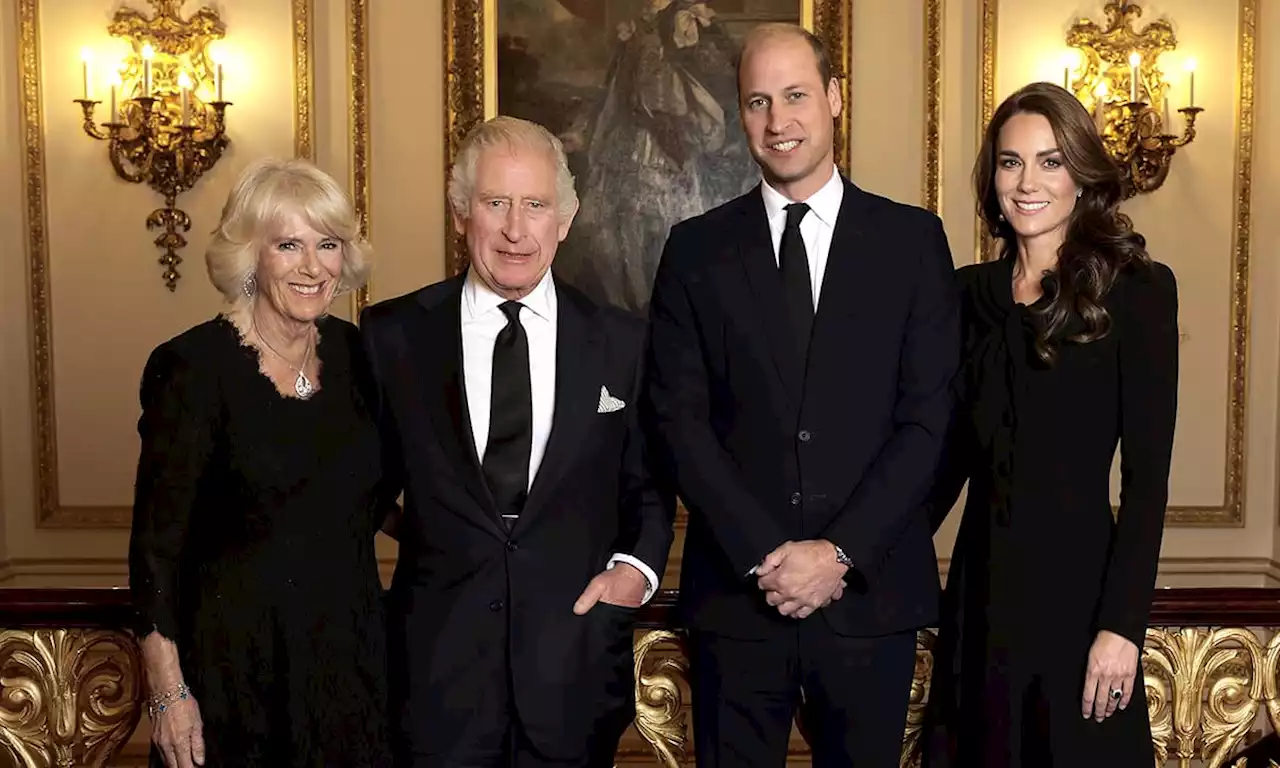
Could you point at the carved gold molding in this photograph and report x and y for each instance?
(1230, 514)
(660, 717)
(358, 64)
(471, 95)
(934, 13)
(303, 99)
(67, 697)
(50, 512)
(988, 28)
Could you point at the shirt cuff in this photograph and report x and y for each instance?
(651, 578)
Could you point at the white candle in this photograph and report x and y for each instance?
(184, 82)
(113, 103)
(1134, 61)
(1191, 83)
(147, 53)
(217, 79)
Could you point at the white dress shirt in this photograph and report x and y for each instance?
(815, 228)
(482, 320)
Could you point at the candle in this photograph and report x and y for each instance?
(184, 82)
(1134, 61)
(147, 53)
(113, 103)
(85, 56)
(1191, 71)
(217, 80)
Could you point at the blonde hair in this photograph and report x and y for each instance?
(266, 192)
(512, 132)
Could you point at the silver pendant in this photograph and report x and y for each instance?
(302, 385)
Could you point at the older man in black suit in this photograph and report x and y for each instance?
(532, 526)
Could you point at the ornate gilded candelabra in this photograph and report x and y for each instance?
(1119, 79)
(166, 132)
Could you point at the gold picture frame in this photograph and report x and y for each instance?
(471, 41)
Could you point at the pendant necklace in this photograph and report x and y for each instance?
(302, 385)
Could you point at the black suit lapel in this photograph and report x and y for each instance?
(755, 245)
(577, 397)
(849, 280)
(440, 363)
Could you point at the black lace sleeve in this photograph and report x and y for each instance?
(177, 432)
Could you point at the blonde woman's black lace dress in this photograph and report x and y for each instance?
(253, 549)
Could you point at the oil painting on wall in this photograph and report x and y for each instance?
(643, 95)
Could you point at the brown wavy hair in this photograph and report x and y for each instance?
(1100, 242)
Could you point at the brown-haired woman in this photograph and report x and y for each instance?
(1071, 344)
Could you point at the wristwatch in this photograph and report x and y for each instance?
(842, 558)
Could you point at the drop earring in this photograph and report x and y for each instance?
(250, 285)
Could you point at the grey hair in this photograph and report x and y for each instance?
(267, 191)
(512, 132)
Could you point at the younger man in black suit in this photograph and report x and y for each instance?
(803, 339)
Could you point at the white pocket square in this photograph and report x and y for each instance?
(609, 403)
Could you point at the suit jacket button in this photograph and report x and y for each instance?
(795, 499)
(512, 546)
(496, 605)
(805, 435)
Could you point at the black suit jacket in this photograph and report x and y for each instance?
(466, 593)
(763, 451)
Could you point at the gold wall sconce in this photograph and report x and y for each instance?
(1116, 75)
(166, 122)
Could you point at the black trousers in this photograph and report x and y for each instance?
(852, 693)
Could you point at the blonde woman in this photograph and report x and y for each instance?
(252, 563)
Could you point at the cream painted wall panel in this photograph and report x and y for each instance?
(14, 495)
(407, 101)
(106, 289)
(1265, 329)
(886, 118)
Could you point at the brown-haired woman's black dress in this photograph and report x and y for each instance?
(1040, 563)
(253, 549)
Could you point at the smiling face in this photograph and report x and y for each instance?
(299, 269)
(787, 113)
(1033, 186)
(512, 226)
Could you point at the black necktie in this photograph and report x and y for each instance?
(506, 456)
(796, 286)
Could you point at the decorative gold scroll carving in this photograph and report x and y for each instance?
(67, 697)
(660, 718)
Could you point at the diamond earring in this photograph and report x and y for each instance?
(250, 285)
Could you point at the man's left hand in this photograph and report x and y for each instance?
(800, 577)
(623, 585)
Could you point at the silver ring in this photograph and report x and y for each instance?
(1117, 694)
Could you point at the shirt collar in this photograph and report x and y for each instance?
(825, 203)
(479, 299)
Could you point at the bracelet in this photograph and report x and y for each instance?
(161, 701)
